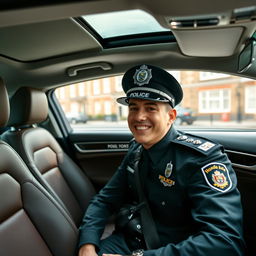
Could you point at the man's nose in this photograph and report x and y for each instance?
(141, 115)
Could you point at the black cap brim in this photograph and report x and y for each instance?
(125, 100)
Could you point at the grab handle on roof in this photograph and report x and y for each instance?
(74, 70)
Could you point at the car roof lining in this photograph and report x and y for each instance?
(48, 39)
(45, 40)
(45, 65)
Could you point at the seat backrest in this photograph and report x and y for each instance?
(31, 221)
(54, 169)
(247, 188)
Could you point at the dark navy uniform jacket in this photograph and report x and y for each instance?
(191, 190)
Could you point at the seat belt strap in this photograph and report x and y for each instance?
(148, 225)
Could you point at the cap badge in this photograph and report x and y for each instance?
(142, 75)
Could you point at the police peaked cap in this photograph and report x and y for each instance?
(150, 83)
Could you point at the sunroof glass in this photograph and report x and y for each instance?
(123, 23)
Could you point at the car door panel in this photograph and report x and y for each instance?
(99, 155)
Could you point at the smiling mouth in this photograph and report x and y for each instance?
(142, 127)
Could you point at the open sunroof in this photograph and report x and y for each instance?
(126, 28)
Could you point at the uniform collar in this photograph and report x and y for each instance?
(156, 151)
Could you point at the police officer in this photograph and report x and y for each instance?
(189, 181)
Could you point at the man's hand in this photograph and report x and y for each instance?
(87, 250)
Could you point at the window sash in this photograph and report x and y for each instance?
(250, 100)
(214, 101)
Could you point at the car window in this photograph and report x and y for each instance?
(211, 100)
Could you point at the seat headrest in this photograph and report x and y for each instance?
(28, 106)
(4, 104)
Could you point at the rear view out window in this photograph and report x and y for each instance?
(211, 100)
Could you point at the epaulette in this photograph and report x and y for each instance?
(197, 143)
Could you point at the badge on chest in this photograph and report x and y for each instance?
(165, 180)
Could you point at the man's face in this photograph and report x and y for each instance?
(149, 121)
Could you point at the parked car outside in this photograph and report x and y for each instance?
(184, 115)
(74, 118)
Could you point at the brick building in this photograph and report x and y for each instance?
(210, 95)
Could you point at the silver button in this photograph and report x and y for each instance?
(197, 142)
(163, 203)
(182, 137)
(189, 140)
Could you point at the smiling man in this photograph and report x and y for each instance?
(149, 121)
(192, 204)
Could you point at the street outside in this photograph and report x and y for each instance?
(99, 125)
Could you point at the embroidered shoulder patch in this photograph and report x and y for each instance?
(217, 176)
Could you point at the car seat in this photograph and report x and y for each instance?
(51, 166)
(32, 221)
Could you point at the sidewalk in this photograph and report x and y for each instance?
(251, 124)
(226, 124)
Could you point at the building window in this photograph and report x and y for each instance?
(97, 108)
(214, 101)
(96, 87)
(122, 111)
(175, 74)
(107, 108)
(118, 82)
(74, 108)
(106, 85)
(61, 92)
(81, 89)
(72, 89)
(209, 76)
(250, 100)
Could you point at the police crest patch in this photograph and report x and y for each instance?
(217, 176)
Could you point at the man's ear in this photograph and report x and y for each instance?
(172, 114)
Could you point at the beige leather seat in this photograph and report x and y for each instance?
(31, 221)
(45, 158)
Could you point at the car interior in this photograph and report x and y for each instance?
(49, 169)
